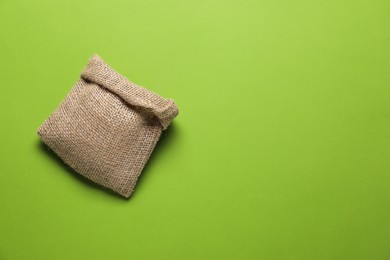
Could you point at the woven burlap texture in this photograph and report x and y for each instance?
(107, 127)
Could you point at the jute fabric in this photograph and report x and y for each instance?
(107, 127)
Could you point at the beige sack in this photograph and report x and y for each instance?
(107, 127)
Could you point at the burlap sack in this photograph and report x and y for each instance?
(107, 127)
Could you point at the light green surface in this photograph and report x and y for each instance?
(281, 149)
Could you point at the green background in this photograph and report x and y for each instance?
(281, 149)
